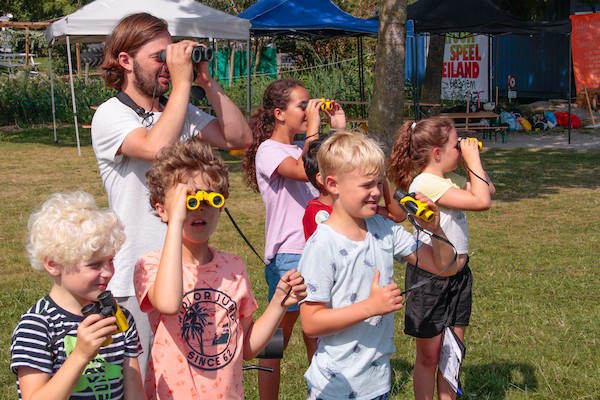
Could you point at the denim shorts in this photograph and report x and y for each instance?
(278, 266)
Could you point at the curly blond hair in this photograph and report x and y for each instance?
(69, 228)
(180, 162)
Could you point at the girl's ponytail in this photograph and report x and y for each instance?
(261, 125)
(262, 122)
(400, 168)
(412, 151)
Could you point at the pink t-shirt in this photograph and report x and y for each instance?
(285, 199)
(197, 353)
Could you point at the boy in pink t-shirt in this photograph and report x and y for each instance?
(198, 299)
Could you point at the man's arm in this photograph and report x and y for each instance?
(230, 130)
(145, 144)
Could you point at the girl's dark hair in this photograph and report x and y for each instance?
(262, 123)
(311, 166)
(412, 150)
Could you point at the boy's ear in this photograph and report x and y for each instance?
(331, 185)
(162, 213)
(53, 268)
(125, 61)
(319, 180)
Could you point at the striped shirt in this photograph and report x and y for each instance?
(39, 342)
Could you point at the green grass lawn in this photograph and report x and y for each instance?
(534, 256)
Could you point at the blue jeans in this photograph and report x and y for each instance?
(278, 266)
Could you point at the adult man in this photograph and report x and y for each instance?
(126, 138)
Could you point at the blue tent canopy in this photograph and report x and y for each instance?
(305, 17)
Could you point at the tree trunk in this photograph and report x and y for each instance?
(432, 85)
(386, 108)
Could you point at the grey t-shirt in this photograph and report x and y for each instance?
(353, 363)
(125, 181)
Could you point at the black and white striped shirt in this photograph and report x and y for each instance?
(39, 342)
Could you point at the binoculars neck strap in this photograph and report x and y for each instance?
(140, 111)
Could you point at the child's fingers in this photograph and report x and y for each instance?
(288, 274)
(299, 288)
(102, 323)
(103, 332)
(89, 320)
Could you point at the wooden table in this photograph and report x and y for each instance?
(476, 125)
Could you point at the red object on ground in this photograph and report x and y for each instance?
(563, 119)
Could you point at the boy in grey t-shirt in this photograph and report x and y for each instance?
(348, 268)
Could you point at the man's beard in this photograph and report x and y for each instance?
(146, 83)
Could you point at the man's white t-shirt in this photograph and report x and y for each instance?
(125, 181)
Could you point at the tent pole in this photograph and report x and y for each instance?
(414, 81)
(361, 76)
(73, 95)
(249, 85)
(52, 95)
(570, 94)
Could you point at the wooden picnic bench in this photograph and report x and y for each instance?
(11, 61)
(486, 129)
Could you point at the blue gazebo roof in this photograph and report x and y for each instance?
(305, 17)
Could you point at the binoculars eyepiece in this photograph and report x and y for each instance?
(199, 54)
(216, 200)
(107, 306)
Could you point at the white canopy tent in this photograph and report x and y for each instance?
(186, 19)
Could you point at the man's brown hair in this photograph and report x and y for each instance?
(130, 34)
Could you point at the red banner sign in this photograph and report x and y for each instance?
(586, 50)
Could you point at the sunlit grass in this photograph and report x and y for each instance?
(535, 255)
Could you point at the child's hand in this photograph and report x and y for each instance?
(336, 117)
(92, 332)
(470, 151)
(434, 224)
(293, 283)
(385, 299)
(175, 200)
(313, 117)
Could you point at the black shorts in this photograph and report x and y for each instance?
(441, 302)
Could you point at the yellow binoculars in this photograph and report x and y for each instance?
(327, 105)
(469, 139)
(216, 200)
(417, 208)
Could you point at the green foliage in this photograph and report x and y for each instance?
(40, 10)
(26, 100)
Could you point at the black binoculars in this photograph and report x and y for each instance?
(107, 307)
(199, 54)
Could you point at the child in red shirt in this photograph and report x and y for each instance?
(318, 209)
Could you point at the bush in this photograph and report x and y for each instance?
(25, 100)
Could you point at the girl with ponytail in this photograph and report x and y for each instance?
(423, 160)
(274, 167)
